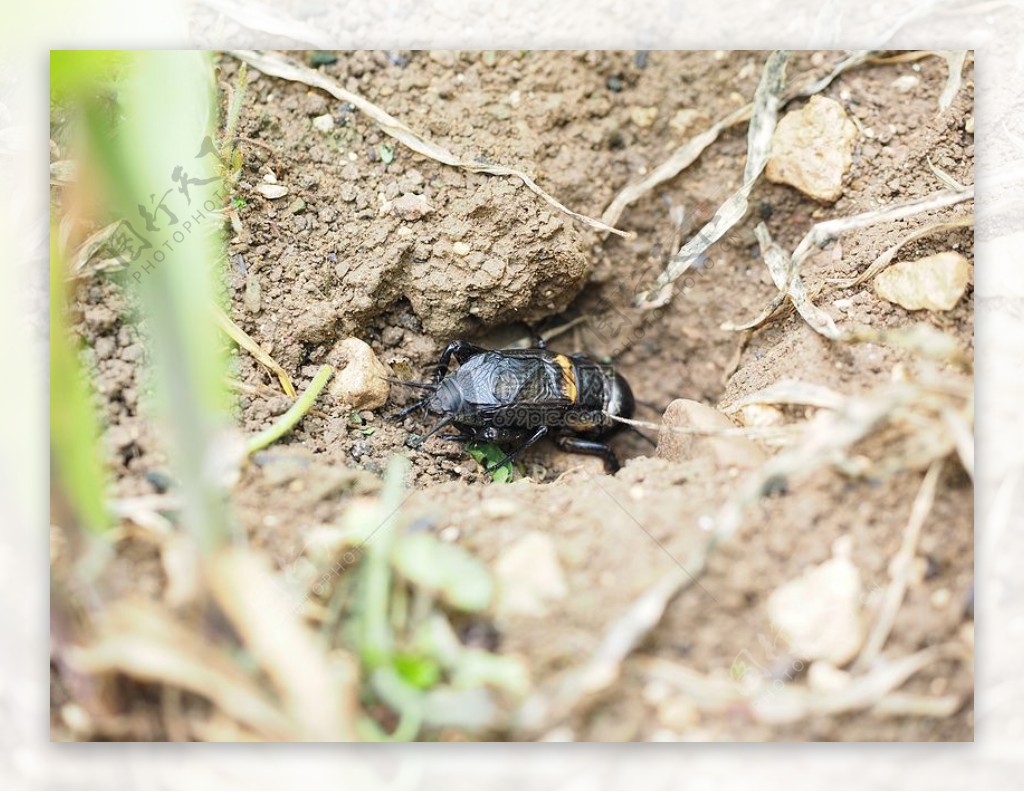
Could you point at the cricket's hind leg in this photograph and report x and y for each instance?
(580, 445)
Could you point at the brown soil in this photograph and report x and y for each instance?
(339, 266)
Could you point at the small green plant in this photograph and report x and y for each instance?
(405, 584)
(488, 454)
(386, 153)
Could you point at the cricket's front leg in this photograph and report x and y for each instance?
(460, 350)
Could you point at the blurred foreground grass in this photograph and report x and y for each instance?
(149, 168)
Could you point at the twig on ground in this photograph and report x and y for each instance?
(759, 136)
(240, 337)
(902, 565)
(143, 641)
(786, 276)
(955, 63)
(789, 391)
(827, 437)
(793, 703)
(287, 422)
(285, 69)
(87, 250)
(547, 707)
(819, 236)
(762, 432)
(947, 180)
(885, 258)
(687, 154)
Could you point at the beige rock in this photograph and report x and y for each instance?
(272, 191)
(826, 678)
(726, 451)
(411, 206)
(643, 116)
(812, 149)
(934, 283)
(324, 123)
(530, 577)
(818, 614)
(906, 83)
(761, 415)
(683, 120)
(359, 381)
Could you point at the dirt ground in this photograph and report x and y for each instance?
(488, 256)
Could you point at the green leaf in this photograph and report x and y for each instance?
(456, 576)
(419, 671)
(386, 153)
(76, 73)
(74, 425)
(478, 667)
(487, 454)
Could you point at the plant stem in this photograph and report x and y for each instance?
(287, 422)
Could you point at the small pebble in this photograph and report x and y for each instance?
(941, 598)
(272, 191)
(643, 117)
(683, 120)
(906, 83)
(461, 249)
(410, 206)
(726, 451)
(360, 378)
(324, 123)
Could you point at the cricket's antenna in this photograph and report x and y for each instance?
(412, 384)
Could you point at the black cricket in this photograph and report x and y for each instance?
(518, 396)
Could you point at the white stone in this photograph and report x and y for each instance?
(530, 577)
(818, 614)
(324, 123)
(272, 191)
